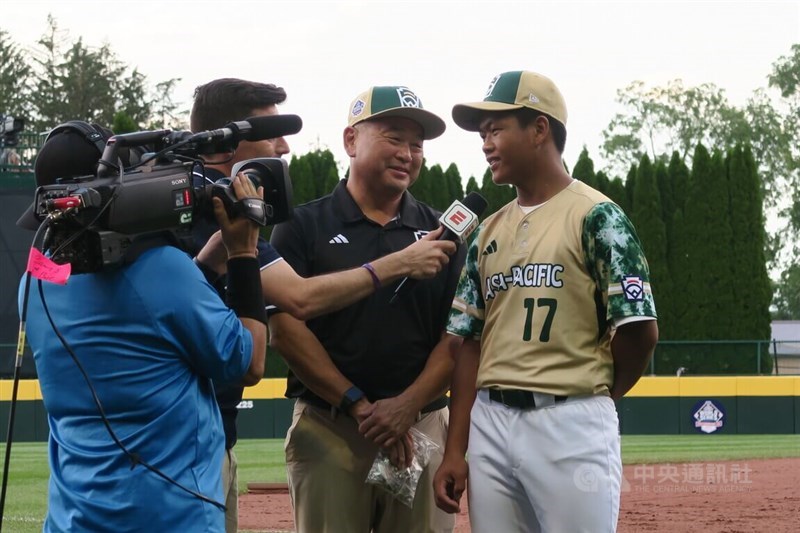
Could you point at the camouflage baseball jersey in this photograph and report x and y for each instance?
(540, 291)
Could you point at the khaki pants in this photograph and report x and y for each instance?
(327, 462)
(230, 491)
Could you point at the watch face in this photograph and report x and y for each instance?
(354, 395)
(351, 396)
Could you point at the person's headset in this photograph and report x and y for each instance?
(95, 134)
(98, 135)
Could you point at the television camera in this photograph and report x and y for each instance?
(108, 218)
(9, 130)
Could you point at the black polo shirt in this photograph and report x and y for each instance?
(381, 348)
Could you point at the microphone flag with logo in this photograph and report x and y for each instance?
(459, 221)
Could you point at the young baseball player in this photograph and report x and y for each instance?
(558, 321)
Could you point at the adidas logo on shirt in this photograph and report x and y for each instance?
(492, 248)
(339, 239)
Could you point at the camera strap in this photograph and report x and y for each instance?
(149, 241)
(255, 209)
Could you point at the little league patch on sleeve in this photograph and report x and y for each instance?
(633, 288)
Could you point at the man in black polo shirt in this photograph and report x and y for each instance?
(227, 100)
(364, 375)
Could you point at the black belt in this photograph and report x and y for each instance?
(435, 405)
(521, 399)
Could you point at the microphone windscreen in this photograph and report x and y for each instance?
(272, 126)
(475, 203)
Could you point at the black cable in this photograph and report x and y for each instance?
(83, 229)
(180, 156)
(223, 161)
(134, 458)
(160, 153)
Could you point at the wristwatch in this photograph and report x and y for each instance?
(351, 396)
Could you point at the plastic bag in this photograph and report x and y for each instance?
(402, 482)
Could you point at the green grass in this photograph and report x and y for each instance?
(263, 461)
(26, 493)
(703, 448)
(260, 461)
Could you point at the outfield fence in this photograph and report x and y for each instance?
(726, 357)
(686, 358)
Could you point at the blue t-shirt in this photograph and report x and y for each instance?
(151, 337)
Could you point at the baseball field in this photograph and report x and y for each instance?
(674, 483)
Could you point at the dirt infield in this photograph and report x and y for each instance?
(721, 497)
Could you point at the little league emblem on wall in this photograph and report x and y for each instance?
(708, 416)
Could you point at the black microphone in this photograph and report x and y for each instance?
(459, 221)
(272, 126)
(252, 129)
(138, 138)
(231, 131)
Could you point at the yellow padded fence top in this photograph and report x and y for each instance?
(273, 388)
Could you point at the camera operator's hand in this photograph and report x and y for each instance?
(213, 255)
(239, 235)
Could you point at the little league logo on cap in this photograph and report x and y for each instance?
(408, 98)
(514, 90)
(491, 86)
(358, 108)
(394, 101)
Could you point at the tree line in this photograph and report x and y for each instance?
(660, 121)
(694, 168)
(61, 79)
(701, 229)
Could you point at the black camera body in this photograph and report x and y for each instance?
(100, 221)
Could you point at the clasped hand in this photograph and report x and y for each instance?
(387, 423)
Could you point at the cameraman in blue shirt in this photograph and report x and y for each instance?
(125, 358)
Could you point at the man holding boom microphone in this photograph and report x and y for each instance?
(125, 358)
(227, 100)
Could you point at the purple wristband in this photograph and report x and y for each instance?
(375, 281)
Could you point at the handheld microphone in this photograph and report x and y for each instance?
(459, 221)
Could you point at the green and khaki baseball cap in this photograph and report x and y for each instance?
(394, 101)
(514, 90)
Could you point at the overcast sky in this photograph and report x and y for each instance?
(325, 53)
